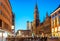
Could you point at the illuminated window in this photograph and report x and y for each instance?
(59, 28)
(56, 29)
(12, 27)
(56, 21)
(58, 34)
(52, 29)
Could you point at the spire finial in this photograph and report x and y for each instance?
(36, 5)
(46, 14)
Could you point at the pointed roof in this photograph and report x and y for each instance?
(46, 14)
(36, 7)
(56, 9)
(59, 6)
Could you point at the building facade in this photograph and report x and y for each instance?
(13, 24)
(29, 25)
(5, 18)
(23, 33)
(5, 15)
(41, 28)
(36, 22)
(45, 26)
(55, 23)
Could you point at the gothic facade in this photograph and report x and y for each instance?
(41, 28)
(55, 22)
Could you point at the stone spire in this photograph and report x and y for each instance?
(36, 15)
(47, 15)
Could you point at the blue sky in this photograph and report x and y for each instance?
(24, 10)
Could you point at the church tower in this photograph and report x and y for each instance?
(36, 22)
(47, 15)
(36, 16)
